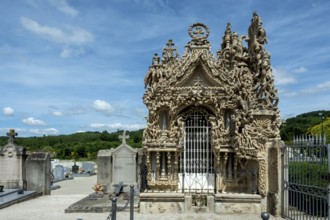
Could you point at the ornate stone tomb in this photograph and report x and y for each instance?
(212, 121)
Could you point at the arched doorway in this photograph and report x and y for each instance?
(196, 172)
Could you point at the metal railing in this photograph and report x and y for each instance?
(113, 211)
(306, 179)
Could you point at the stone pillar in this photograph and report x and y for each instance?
(104, 169)
(274, 178)
(38, 172)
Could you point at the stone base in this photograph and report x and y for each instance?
(162, 202)
(237, 203)
(225, 203)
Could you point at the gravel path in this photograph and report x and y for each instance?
(52, 207)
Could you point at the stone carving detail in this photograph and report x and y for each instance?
(10, 151)
(238, 81)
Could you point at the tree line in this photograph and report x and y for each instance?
(78, 146)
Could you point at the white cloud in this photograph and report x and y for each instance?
(8, 111)
(73, 35)
(300, 70)
(64, 7)
(282, 92)
(57, 113)
(282, 77)
(319, 88)
(102, 106)
(47, 131)
(70, 52)
(115, 126)
(323, 86)
(33, 121)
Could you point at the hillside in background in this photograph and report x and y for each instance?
(79, 146)
(307, 123)
(85, 145)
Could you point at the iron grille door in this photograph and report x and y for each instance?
(196, 163)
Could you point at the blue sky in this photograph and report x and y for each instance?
(78, 65)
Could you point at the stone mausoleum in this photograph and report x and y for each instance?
(212, 140)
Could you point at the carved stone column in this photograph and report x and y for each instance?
(176, 169)
(262, 180)
(157, 166)
(169, 173)
(148, 167)
(230, 167)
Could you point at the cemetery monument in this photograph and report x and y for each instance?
(212, 140)
(119, 165)
(12, 160)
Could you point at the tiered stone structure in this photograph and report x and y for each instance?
(213, 124)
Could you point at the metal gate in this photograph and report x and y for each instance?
(196, 172)
(306, 179)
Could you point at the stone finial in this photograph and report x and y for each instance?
(156, 59)
(11, 134)
(226, 40)
(199, 33)
(170, 51)
(123, 137)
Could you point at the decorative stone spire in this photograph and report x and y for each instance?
(226, 40)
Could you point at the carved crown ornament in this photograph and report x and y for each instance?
(236, 88)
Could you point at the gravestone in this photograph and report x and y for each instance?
(38, 172)
(88, 167)
(59, 173)
(75, 168)
(119, 165)
(12, 163)
(104, 169)
(67, 172)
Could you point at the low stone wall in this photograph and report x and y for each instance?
(238, 203)
(226, 203)
(162, 203)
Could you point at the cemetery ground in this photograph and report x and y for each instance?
(53, 206)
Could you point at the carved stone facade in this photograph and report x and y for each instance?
(226, 105)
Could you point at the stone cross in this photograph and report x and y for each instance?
(11, 134)
(123, 137)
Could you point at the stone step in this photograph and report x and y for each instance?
(11, 196)
(6, 192)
